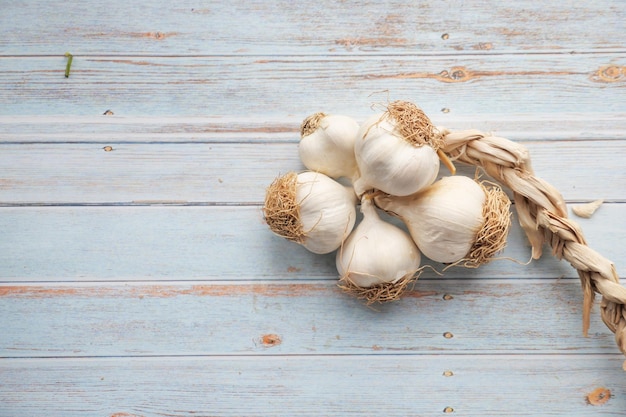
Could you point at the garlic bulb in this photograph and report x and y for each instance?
(376, 252)
(310, 209)
(327, 145)
(455, 219)
(396, 151)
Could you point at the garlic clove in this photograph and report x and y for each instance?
(454, 220)
(327, 144)
(377, 255)
(310, 209)
(397, 151)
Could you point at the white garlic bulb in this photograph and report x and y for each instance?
(454, 219)
(376, 252)
(327, 144)
(310, 209)
(396, 151)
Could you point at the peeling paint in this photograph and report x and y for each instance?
(154, 35)
(418, 294)
(125, 415)
(167, 291)
(380, 41)
(609, 74)
(461, 74)
(599, 396)
(271, 340)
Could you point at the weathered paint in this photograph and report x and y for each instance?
(137, 278)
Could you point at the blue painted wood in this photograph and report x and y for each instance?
(153, 257)
(308, 317)
(278, 27)
(281, 86)
(117, 129)
(312, 385)
(216, 243)
(229, 173)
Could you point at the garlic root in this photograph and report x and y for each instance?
(310, 209)
(378, 260)
(327, 145)
(396, 151)
(456, 220)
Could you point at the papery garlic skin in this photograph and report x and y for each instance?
(389, 163)
(329, 148)
(327, 211)
(444, 219)
(376, 252)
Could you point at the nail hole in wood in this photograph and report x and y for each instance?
(448, 335)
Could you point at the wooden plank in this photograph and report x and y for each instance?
(295, 85)
(324, 27)
(226, 173)
(314, 386)
(220, 243)
(261, 128)
(295, 318)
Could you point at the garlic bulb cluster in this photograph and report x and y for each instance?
(455, 219)
(310, 209)
(392, 161)
(377, 252)
(327, 145)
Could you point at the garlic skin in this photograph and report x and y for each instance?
(327, 211)
(444, 219)
(376, 252)
(389, 163)
(327, 145)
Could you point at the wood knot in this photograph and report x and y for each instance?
(270, 340)
(609, 74)
(455, 75)
(599, 396)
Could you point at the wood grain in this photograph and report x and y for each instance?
(137, 277)
(278, 27)
(266, 128)
(284, 86)
(239, 173)
(170, 319)
(535, 385)
(214, 243)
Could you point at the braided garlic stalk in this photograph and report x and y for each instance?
(543, 216)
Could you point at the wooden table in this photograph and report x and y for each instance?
(137, 277)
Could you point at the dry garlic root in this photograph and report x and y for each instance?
(455, 220)
(327, 145)
(397, 151)
(310, 209)
(378, 259)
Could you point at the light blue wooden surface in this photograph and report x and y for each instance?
(137, 277)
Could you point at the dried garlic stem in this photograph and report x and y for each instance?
(543, 216)
(446, 161)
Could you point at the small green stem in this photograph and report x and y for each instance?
(69, 64)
